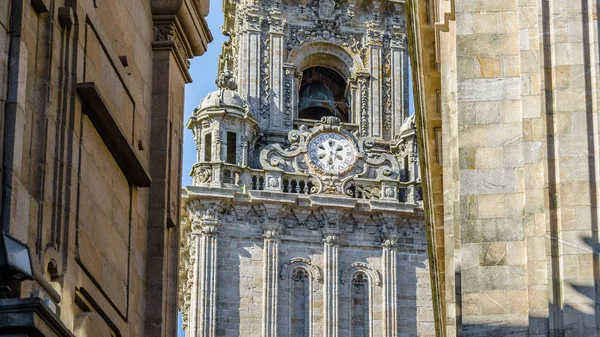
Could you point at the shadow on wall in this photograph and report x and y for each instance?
(563, 320)
(415, 310)
(228, 303)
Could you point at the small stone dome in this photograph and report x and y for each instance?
(223, 98)
(226, 96)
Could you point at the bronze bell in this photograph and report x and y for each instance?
(317, 96)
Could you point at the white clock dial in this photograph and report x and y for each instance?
(331, 152)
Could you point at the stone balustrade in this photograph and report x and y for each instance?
(223, 175)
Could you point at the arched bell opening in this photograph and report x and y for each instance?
(322, 93)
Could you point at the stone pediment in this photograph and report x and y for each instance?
(334, 160)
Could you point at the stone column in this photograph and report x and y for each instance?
(270, 277)
(290, 94)
(414, 170)
(330, 293)
(374, 67)
(276, 23)
(194, 249)
(399, 79)
(390, 294)
(249, 59)
(204, 298)
(354, 101)
(363, 103)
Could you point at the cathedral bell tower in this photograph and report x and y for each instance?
(304, 218)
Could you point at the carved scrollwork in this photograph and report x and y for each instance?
(209, 230)
(271, 235)
(387, 84)
(325, 32)
(389, 244)
(368, 164)
(265, 88)
(202, 174)
(164, 32)
(331, 239)
(364, 104)
(253, 21)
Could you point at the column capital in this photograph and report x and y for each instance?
(331, 239)
(206, 223)
(271, 234)
(169, 36)
(389, 244)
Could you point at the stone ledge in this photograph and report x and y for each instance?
(112, 135)
(300, 200)
(30, 316)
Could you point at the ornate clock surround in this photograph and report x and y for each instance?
(366, 167)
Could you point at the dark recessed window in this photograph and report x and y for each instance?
(231, 147)
(208, 147)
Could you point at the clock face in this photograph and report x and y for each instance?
(331, 152)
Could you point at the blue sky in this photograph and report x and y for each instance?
(204, 72)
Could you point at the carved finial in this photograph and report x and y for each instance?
(226, 80)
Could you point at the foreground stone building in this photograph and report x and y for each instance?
(91, 102)
(507, 111)
(304, 216)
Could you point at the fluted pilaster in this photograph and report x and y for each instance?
(270, 276)
(390, 295)
(204, 299)
(330, 293)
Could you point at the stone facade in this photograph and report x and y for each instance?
(304, 218)
(507, 105)
(91, 102)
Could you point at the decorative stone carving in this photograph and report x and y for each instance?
(265, 89)
(253, 21)
(271, 235)
(368, 170)
(363, 84)
(209, 230)
(315, 272)
(280, 201)
(387, 84)
(202, 174)
(300, 35)
(331, 240)
(389, 243)
(355, 267)
(326, 10)
(164, 32)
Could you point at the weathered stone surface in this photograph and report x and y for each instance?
(304, 215)
(513, 209)
(91, 99)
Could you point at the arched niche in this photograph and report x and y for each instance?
(360, 280)
(341, 64)
(300, 262)
(326, 54)
(303, 278)
(357, 267)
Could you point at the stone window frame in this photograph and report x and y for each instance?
(340, 59)
(374, 280)
(316, 277)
